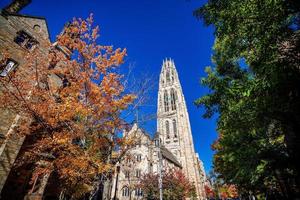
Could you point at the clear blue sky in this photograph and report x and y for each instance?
(151, 30)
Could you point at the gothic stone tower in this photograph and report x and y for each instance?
(173, 124)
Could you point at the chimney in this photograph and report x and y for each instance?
(16, 5)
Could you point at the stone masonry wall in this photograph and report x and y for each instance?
(10, 24)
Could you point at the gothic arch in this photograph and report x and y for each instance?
(125, 191)
(168, 76)
(160, 103)
(173, 76)
(174, 128)
(173, 99)
(167, 129)
(166, 101)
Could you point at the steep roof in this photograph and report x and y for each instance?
(169, 156)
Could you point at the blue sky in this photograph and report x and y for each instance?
(151, 30)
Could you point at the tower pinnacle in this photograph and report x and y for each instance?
(173, 123)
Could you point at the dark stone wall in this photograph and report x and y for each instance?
(10, 24)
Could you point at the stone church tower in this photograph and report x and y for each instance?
(173, 125)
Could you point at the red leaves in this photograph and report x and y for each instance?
(175, 185)
(209, 192)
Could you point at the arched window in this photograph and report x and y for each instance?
(167, 129)
(156, 143)
(138, 173)
(125, 192)
(127, 174)
(160, 101)
(173, 99)
(168, 76)
(138, 192)
(166, 101)
(173, 76)
(175, 128)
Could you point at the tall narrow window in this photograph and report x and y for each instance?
(138, 173)
(173, 99)
(173, 76)
(156, 142)
(168, 76)
(127, 173)
(8, 67)
(175, 128)
(160, 103)
(125, 192)
(167, 130)
(139, 158)
(166, 101)
(138, 192)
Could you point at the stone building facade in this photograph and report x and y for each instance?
(19, 34)
(142, 158)
(174, 134)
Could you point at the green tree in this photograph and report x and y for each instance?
(255, 89)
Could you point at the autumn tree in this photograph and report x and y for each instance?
(175, 186)
(254, 87)
(70, 101)
(209, 192)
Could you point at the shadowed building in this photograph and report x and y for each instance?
(19, 34)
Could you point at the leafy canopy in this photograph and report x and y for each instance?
(254, 86)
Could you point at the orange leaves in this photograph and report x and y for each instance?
(118, 56)
(74, 97)
(95, 32)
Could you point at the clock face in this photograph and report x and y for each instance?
(37, 28)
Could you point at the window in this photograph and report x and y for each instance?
(127, 173)
(138, 173)
(8, 67)
(140, 143)
(167, 129)
(138, 192)
(125, 192)
(160, 103)
(139, 157)
(166, 101)
(25, 40)
(172, 75)
(175, 128)
(156, 142)
(167, 76)
(173, 99)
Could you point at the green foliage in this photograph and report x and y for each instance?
(258, 105)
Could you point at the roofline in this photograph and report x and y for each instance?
(173, 158)
(21, 15)
(175, 163)
(3, 12)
